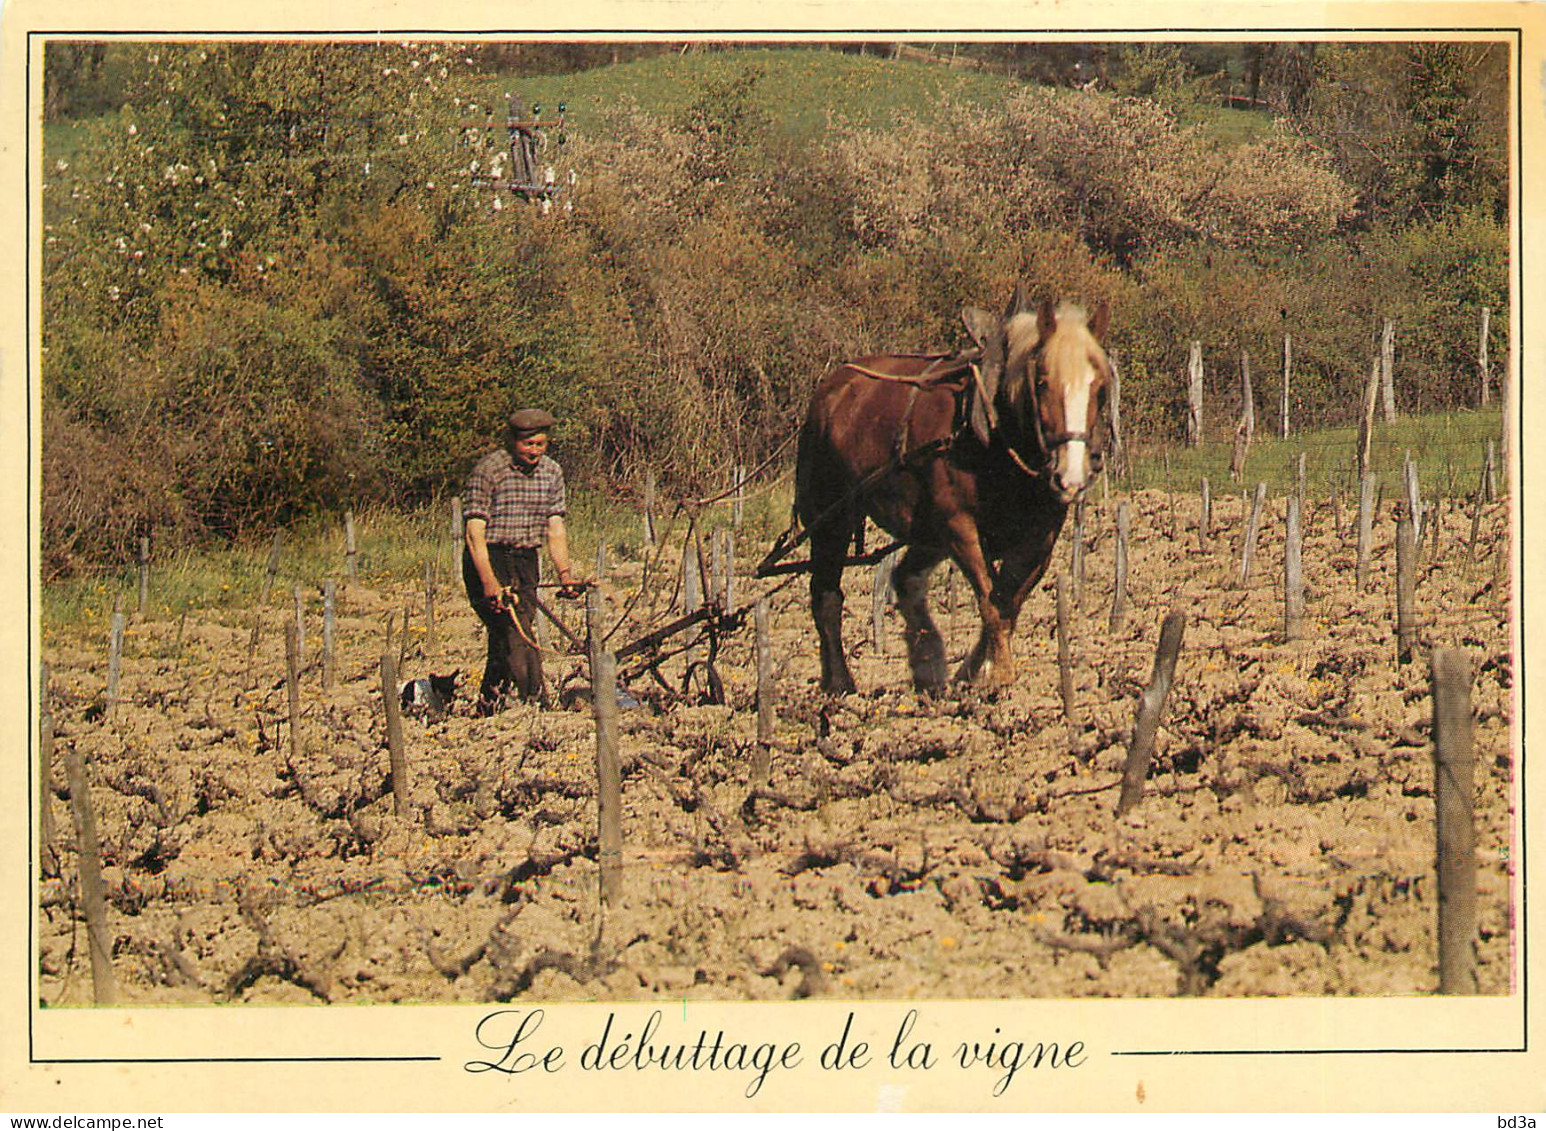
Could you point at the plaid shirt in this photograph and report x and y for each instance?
(515, 503)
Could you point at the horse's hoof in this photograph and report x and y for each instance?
(929, 678)
(994, 677)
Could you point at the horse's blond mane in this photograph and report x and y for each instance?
(1023, 334)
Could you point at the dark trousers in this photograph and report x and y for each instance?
(513, 659)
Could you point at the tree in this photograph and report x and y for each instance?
(1421, 128)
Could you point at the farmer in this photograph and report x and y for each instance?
(514, 500)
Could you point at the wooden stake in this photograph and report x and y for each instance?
(1065, 649)
(1502, 561)
(738, 506)
(1151, 706)
(727, 583)
(765, 688)
(1288, 369)
(1435, 521)
(1076, 554)
(1252, 527)
(1414, 500)
(716, 584)
(1476, 525)
(1366, 423)
(394, 727)
(114, 659)
(704, 566)
(1293, 576)
(595, 629)
(144, 559)
(1205, 518)
(1406, 570)
(351, 554)
(1365, 528)
(252, 646)
(1454, 785)
(329, 600)
(89, 855)
(300, 625)
(429, 609)
(609, 795)
(649, 510)
(406, 639)
(293, 690)
(1194, 396)
(1245, 430)
(692, 579)
(1119, 590)
(1481, 358)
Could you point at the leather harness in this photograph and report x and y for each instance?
(932, 377)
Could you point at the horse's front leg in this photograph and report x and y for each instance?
(925, 649)
(827, 612)
(1023, 568)
(990, 662)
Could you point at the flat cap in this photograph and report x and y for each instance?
(525, 421)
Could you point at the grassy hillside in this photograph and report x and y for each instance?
(801, 90)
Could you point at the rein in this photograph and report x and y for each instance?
(925, 380)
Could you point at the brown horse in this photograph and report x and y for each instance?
(977, 459)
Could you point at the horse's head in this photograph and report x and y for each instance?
(1045, 371)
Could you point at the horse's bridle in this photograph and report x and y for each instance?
(1047, 445)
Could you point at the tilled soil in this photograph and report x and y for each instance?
(899, 847)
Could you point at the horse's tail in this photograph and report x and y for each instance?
(804, 469)
(815, 504)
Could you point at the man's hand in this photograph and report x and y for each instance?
(503, 600)
(572, 590)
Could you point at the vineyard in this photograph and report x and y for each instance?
(1265, 736)
(253, 848)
